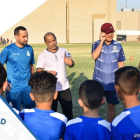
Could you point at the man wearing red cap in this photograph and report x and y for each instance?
(109, 56)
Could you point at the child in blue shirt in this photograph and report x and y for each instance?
(44, 122)
(89, 126)
(126, 126)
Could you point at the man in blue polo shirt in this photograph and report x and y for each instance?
(19, 59)
(126, 126)
(109, 56)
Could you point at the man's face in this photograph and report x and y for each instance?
(109, 37)
(22, 37)
(51, 42)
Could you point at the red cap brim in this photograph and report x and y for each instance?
(108, 31)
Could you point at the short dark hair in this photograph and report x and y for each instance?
(3, 75)
(43, 86)
(49, 33)
(128, 79)
(91, 93)
(17, 29)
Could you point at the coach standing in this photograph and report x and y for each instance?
(19, 59)
(54, 60)
(109, 56)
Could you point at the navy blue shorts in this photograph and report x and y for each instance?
(16, 99)
(111, 97)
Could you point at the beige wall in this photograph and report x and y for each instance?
(84, 18)
(129, 20)
(51, 16)
(111, 8)
(132, 37)
(80, 15)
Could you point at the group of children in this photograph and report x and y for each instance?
(49, 125)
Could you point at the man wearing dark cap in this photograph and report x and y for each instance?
(109, 56)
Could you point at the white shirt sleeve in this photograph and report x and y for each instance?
(40, 62)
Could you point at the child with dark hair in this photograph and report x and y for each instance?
(89, 126)
(126, 126)
(3, 75)
(44, 122)
(3, 82)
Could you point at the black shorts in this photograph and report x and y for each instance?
(111, 97)
(65, 99)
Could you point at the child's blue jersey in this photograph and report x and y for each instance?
(85, 128)
(18, 61)
(45, 124)
(126, 126)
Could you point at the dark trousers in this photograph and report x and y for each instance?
(65, 99)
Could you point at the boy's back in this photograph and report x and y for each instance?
(127, 124)
(86, 128)
(89, 126)
(46, 124)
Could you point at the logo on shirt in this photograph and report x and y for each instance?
(115, 49)
(28, 53)
(15, 53)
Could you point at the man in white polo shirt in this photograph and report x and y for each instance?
(54, 60)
